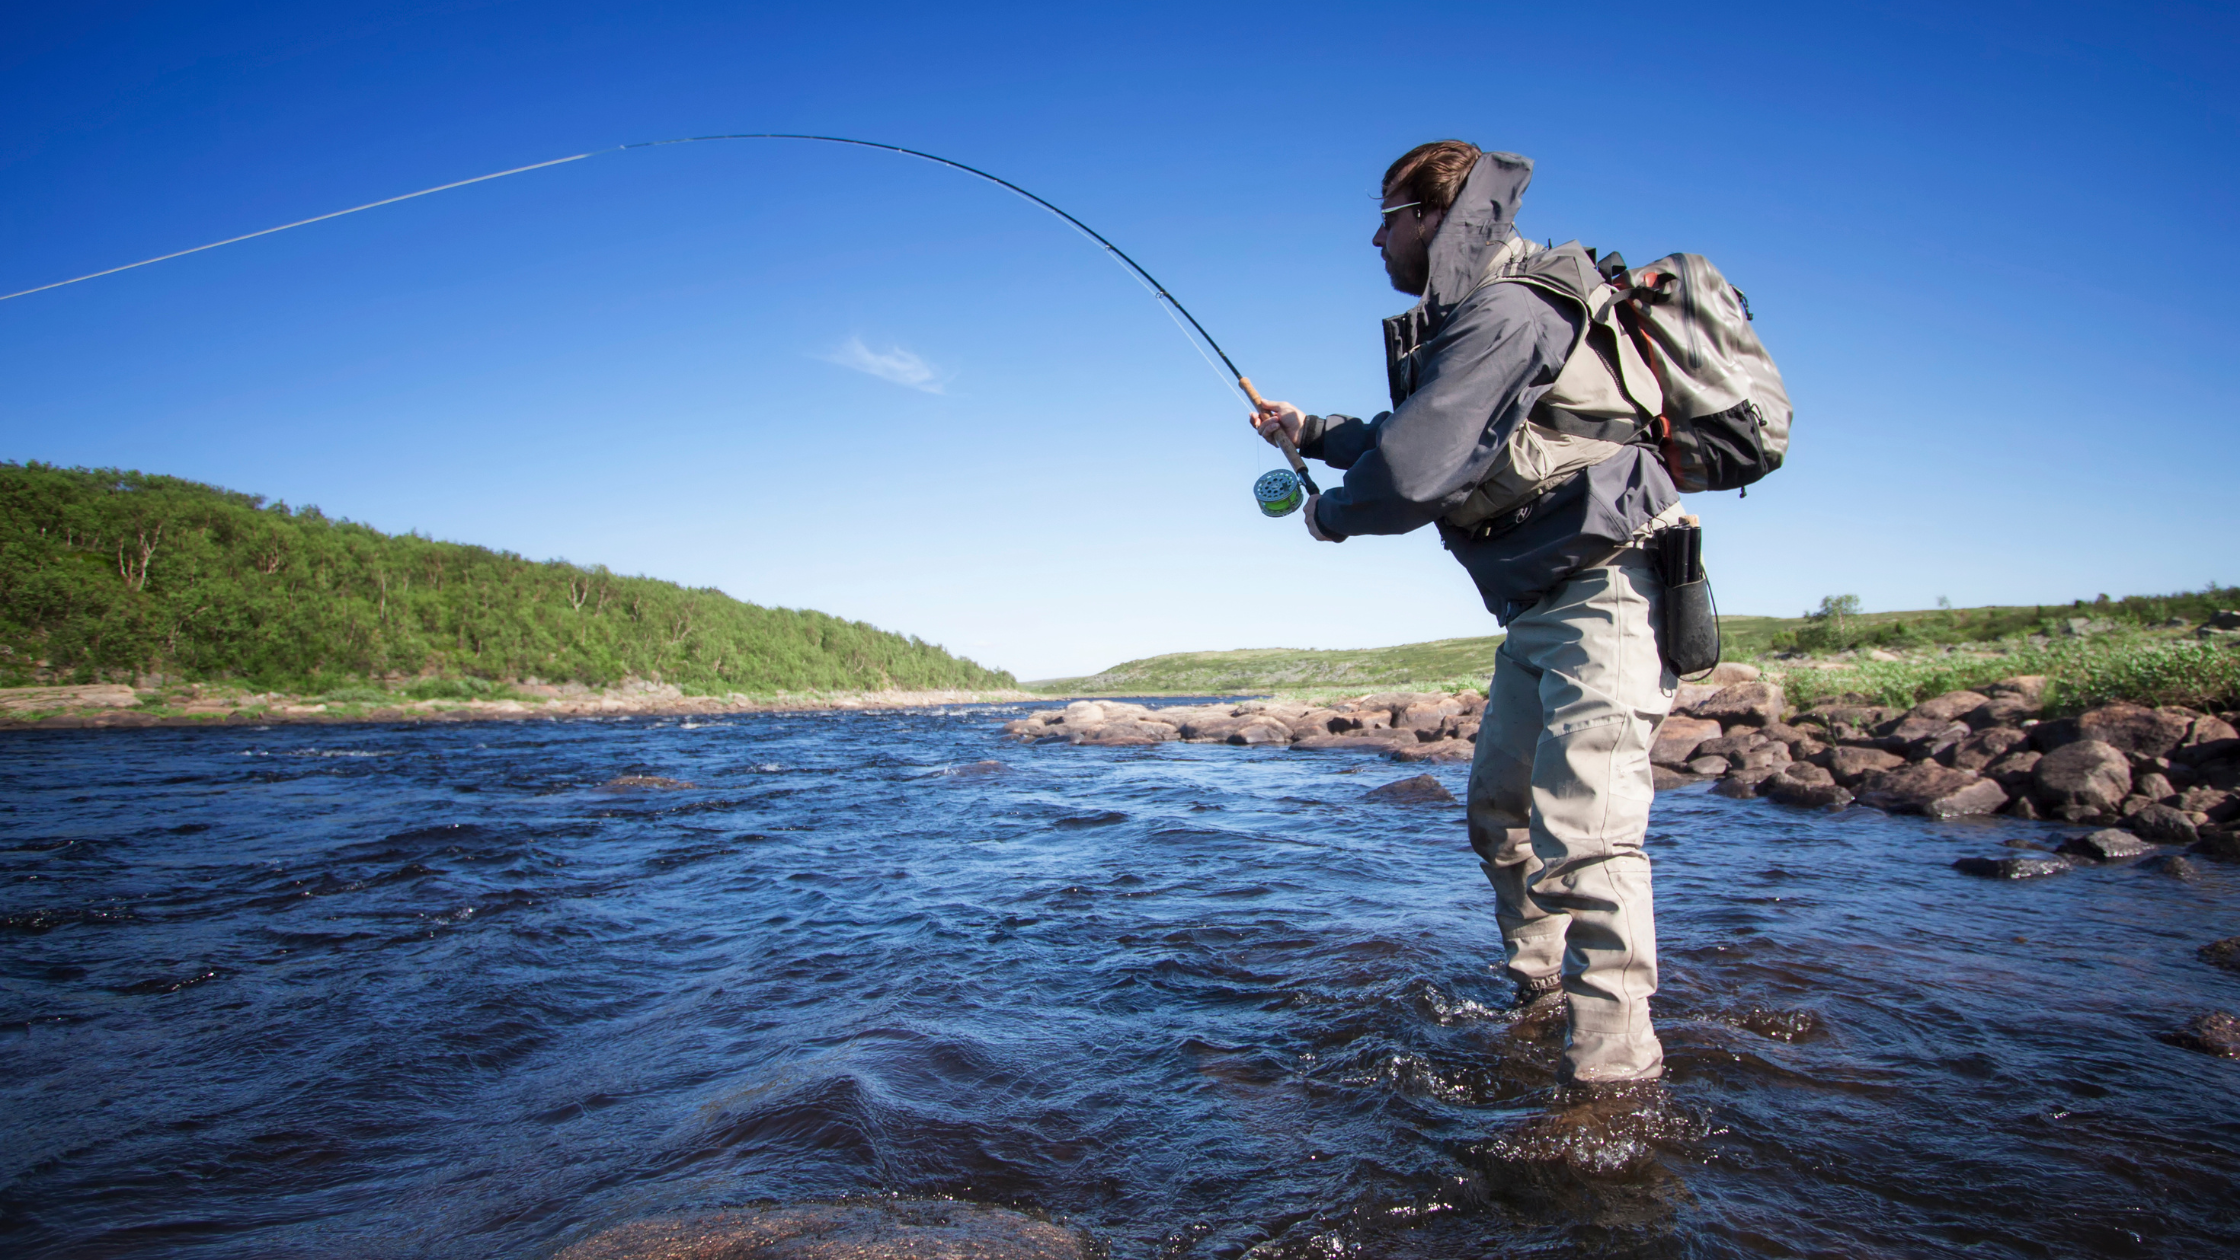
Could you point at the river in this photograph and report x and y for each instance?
(436, 991)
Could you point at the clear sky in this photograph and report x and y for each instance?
(1985, 243)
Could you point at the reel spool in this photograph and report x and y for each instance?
(1279, 492)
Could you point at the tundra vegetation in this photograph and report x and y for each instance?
(111, 576)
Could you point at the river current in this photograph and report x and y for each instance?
(449, 991)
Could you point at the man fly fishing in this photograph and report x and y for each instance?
(1548, 486)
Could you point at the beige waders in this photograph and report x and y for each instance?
(1559, 802)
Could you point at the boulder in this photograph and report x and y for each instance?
(2162, 824)
(1790, 735)
(1983, 747)
(2224, 846)
(2105, 845)
(1123, 734)
(2172, 864)
(2219, 805)
(1742, 785)
(1928, 788)
(2154, 785)
(1678, 738)
(1768, 755)
(1849, 765)
(1420, 790)
(1472, 702)
(1441, 750)
(2029, 688)
(2211, 739)
(1731, 747)
(1751, 703)
(2134, 728)
(1709, 767)
(1664, 778)
(2014, 771)
(2224, 953)
(1728, 673)
(1427, 716)
(2216, 1032)
(1805, 795)
(1844, 721)
(2060, 732)
(1216, 728)
(1312, 722)
(1026, 728)
(1465, 728)
(1256, 732)
(2087, 776)
(2000, 711)
(1360, 741)
(1361, 719)
(2019, 867)
(1083, 713)
(1949, 707)
(1690, 695)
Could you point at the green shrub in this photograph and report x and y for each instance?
(2083, 673)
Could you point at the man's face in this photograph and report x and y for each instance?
(1404, 237)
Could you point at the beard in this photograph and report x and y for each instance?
(1410, 275)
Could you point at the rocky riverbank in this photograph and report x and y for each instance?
(2146, 777)
(116, 705)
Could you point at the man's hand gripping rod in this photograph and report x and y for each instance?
(1279, 492)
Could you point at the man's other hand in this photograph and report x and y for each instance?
(1279, 417)
(1314, 527)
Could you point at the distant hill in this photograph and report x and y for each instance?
(106, 574)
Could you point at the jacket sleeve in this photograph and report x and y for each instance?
(1492, 360)
(1339, 440)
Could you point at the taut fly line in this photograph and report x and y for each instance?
(1202, 342)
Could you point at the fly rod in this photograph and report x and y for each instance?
(1278, 493)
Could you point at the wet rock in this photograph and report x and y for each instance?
(2134, 728)
(2162, 824)
(1027, 728)
(2216, 1032)
(1357, 741)
(1123, 734)
(1850, 765)
(1443, 750)
(1805, 786)
(1805, 772)
(1665, 778)
(1678, 739)
(2211, 739)
(1731, 747)
(2105, 845)
(1709, 767)
(644, 782)
(977, 769)
(1928, 788)
(2086, 776)
(2224, 953)
(1743, 785)
(2015, 771)
(890, 1230)
(1361, 719)
(2171, 864)
(1420, 790)
(1769, 755)
(2011, 867)
(1750, 703)
(1427, 716)
(1312, 722)
(2224, 846)
(1980, 749)
(2024, 808)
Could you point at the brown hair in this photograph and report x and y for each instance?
(1431, 173)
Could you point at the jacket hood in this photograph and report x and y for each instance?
(1481, 221)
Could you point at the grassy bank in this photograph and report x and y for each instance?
(107, 575)
(2142, 648)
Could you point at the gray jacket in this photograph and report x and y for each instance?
(1488, 353)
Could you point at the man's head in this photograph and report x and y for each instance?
(1418, 191)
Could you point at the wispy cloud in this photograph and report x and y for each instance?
(892, 364)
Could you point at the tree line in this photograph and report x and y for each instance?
(107, 574)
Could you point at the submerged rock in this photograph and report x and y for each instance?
(2215, 1032)
(899, 1230)
(640, 782)
(2105, 845)
(2172, 864)
(2162, 824)
(2224, 953)
(2011, 867)
(1420, 790)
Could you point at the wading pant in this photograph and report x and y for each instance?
(1559, 802)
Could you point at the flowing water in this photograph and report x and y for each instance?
(434, 991)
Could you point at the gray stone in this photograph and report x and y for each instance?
(2163, 825)
(1850, 765)
(2105, 845)
(2011, 867)
(901, 1229)
(1420, 790)
(1449, 751)
(1678, 739)
(2172, 864)
(2135, 728)
(1751, 703)
(1925, 787)
(1949, 707)
(2013, 771)
(1664, 778)
(2000, 711)
(1980, 797)
(2088, 774)
(2155, 786)
(1709, 767)
(1983, 747)
(2224, 846)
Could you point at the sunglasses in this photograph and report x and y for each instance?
(1389, 211)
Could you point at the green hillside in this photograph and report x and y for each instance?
(107, 574)
(1412, 665)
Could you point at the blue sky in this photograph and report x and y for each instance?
(1983, 242)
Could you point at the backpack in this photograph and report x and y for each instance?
(1664, 356)
(1725, 421)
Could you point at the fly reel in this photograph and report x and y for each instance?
(1279, 492)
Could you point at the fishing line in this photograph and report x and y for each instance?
(1242, 384)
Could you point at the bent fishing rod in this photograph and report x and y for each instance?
(1279, 493)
